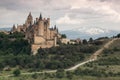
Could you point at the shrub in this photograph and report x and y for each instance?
(35, 76)
(60, 73)
(16, 72)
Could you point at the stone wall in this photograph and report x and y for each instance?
(35, 47)
(39, 40)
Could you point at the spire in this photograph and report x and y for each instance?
(29, 14)
(55, 27)
(57, 30)
(40, 18)
(14, 26)
(34, 22)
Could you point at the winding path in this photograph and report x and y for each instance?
(92, 58)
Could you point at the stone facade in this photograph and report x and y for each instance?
(38, 33)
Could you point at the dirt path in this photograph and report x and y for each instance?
(98, 52)
(92, 58)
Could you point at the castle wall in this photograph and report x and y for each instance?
(50, 42)
(48, 33)
(45, 31)
(39, 40)
(52, 34)
(48, 20)
(35, 47)
(41, 28)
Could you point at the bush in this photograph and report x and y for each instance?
(69, 75)
(16, 72)
(63, 36)
(60, 73)
(35, 76)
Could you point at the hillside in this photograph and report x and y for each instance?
(73, 54)
(107, 67)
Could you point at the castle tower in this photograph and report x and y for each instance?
(40, 18)
(48, 20)
(40, 26)
(55, 27)
(29, 19)
(13, 28)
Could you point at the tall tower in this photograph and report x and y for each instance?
(13, 28)
(29, 19)
(41, 26)
(40, 18)
(48, 19)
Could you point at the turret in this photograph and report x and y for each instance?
(29, 19)
(13, 28)
(55, 27)
(34, 22)
(41, 28)
(40, 18)
(48, 19)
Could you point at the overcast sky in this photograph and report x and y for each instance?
(66, 14)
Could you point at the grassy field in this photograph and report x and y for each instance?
(42, 77)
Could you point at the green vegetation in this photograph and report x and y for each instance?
(13, 44)
(11, 35)
(107, 65)
(62, 56)
(16, 72)
(63, 36)
(60, 73)
(15, 53)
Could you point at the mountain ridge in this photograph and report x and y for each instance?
(86, 33)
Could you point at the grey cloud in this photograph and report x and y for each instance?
(55, 9)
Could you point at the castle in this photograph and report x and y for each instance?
(38, 33)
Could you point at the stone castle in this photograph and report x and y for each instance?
(38, 33)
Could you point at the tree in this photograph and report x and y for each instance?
(118, 35)
(60, 73)
(91, 40)
(69, 75)
(78, 71)
(63, 36)
(16, 72)
(35, 76)
(85, 41)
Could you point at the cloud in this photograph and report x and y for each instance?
(101, 7)
(67, 20)
(65, 13)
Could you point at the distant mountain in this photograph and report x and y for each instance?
(86, 33)
(5, 29)
(83, 32)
